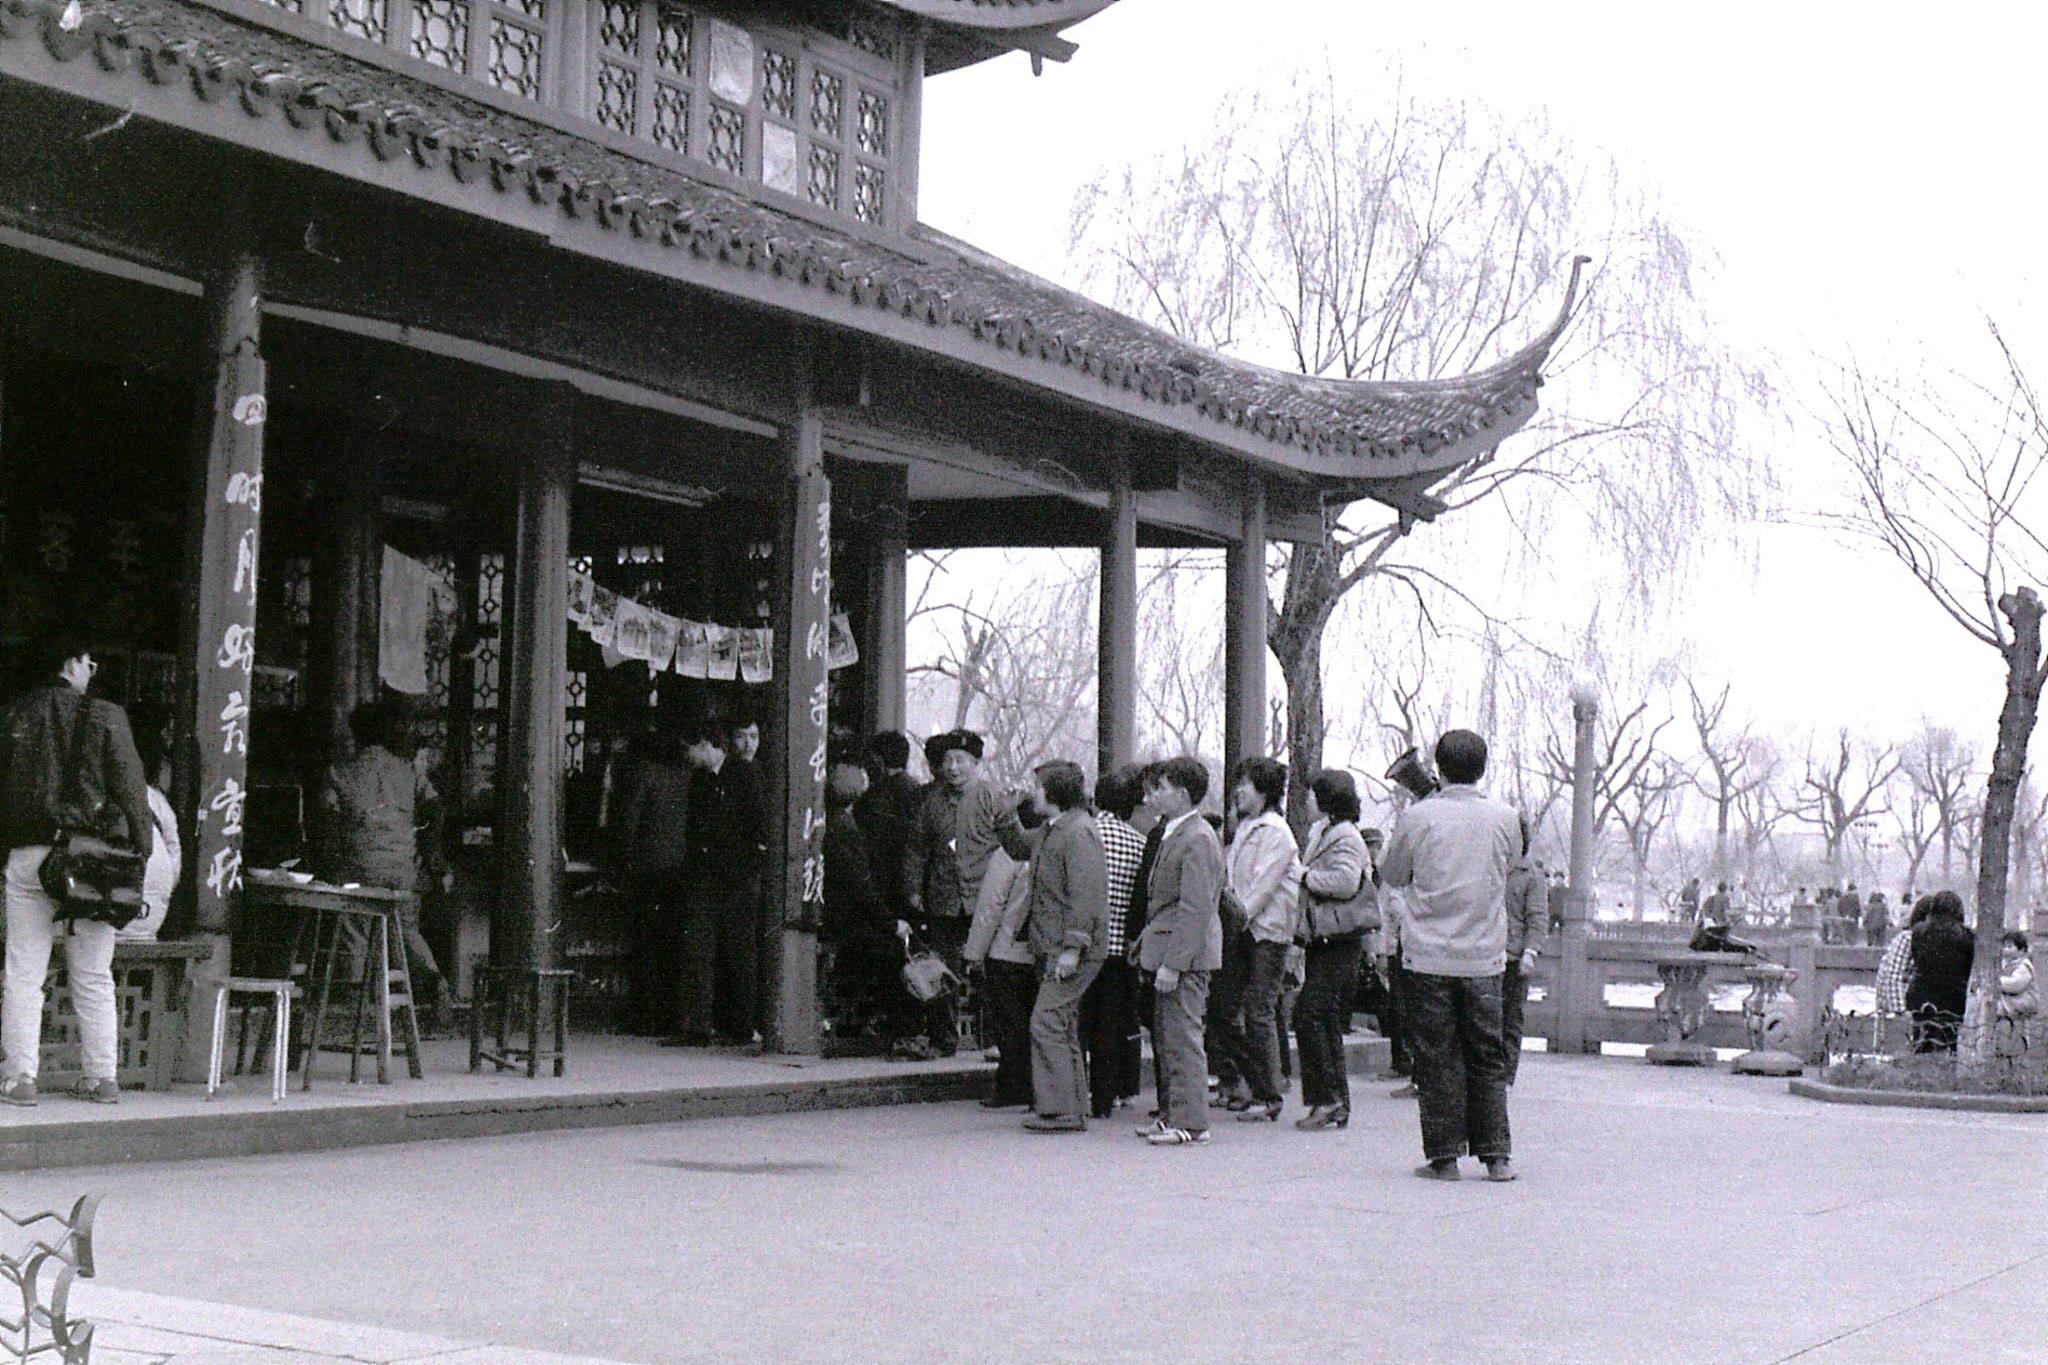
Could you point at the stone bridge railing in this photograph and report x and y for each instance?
(1639, 984)
(42, 1255)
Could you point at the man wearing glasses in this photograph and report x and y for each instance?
(66, 762)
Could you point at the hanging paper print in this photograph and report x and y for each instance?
(757, 656)
(725, 654)
(662, 630)
(693, 650)
(603, 621)
(840, 649)
(580, 585)
(631, 639)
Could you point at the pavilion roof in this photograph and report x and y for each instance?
(931, 290)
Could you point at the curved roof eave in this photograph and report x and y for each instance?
(1002, 14)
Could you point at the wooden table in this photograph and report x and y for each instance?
(268, 890)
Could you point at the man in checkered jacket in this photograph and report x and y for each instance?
(1109, 1012)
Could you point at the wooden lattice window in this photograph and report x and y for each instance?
(504, 43)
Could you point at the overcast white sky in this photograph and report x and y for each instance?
(1868, 176)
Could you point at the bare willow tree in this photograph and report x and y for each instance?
(1940, 769)
(1732, 765)
(1840, 790)
(1942, 475)
(1424, 241)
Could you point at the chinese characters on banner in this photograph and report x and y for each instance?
(812, 625)
(227, 624)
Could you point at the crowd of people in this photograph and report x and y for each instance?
(1086, 918)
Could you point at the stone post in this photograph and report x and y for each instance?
(1574, 985)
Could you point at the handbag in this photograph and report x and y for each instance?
(927, 977)
(88, 877)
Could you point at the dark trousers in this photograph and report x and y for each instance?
(1109, 1033)
(1225, 1017)
(706, 896)
(739, 958)
(1454, 1040)
(657, 940)
(1514, 996)
(1260, 1061)
(1059, 1069)
(1320, 1014)
(1395, 1022)
(1177, 1051)
(1011, 988)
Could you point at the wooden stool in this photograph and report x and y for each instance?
(547, 993)
(280, 995)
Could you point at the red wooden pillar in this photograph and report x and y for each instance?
(1116, 686)
(530, 900)
(803, 609)
(1244, 639)
(221, 642)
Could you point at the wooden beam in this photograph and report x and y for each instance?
(1244, 639)
(1116, 688)
(524, 932)
(796, 742)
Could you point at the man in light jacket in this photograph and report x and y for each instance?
(1528, 907)
(1181, 945)
(1068, 928)
(1453, 851)
(1259, 872)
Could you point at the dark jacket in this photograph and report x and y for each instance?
(654, 820)
(884, 812)
(371, 807)
(856, 918)
(1942, 952)
(38, 793)
(1069, 889)
(929, 867)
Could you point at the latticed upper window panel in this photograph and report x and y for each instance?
(672, 42)
(618, 26)
(369, 19)
(515, 58)
(824, 182)
(440, 33)
(873, 132)
(778, 84)
(828, 103)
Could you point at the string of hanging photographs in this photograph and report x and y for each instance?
(625, 629)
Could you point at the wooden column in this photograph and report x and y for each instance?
(530, 897)
(885, 661)
(353, 583)
(1116, 625)
(222, 541)
(796, 742)
(1244, 639)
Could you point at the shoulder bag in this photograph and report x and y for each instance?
(90, 878)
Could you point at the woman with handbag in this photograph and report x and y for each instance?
(1339, 906)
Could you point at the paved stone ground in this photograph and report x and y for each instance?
(1663, 1216)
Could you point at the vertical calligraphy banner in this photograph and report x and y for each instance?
(809, 691)
(226, 660)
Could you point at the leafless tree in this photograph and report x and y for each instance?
(1761, 809)
(1630, 777)
(1423, 242)
(1730, 769)
(1942, 475)
(1940, 771)
(1643, 802)
(1840, 789)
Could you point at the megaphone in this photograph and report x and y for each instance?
(1411, 772)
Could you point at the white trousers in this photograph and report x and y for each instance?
(88, 952)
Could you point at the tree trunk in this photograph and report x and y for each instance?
(1310, 595)
(2023, 678)
(1721, 839)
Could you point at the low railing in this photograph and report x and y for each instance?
(58, 1251)
(1638, 984)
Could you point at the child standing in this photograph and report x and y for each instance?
(2017, 996)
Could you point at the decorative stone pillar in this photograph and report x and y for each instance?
(1771, 1014)
(1682, 1011)
(1575, 989)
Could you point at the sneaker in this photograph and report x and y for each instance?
(1175, 1137)
(1500, 1171)
(104, 1091)
(1439, 1170)
(1146, 1130)
(20, 1091)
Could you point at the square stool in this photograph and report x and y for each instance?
(546, 993)
(255, 992)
